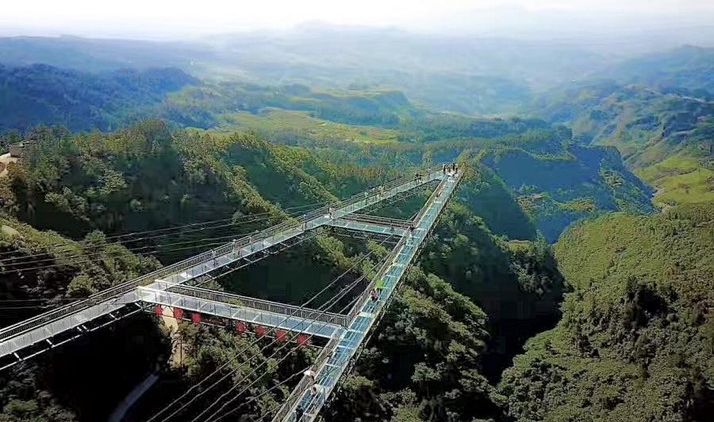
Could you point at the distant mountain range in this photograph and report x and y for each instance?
(463, 74)
(665, 134)
(81, 101)
(656, 109)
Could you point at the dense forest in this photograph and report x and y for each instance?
(45, 95)
(84, 186)
(568, 279)
(637, 337)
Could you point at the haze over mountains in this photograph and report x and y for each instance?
(450, 73)
(597, 93)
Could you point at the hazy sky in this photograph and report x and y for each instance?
(178, 18)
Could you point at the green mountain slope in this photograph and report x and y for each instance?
(529, 175)
(531, 161)
(204, 106)
(42, 94)
(148, 176)
(578, 182)
(636, 340)
(666, 138)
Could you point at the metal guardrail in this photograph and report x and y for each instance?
(305, 383)
(261, 304)
(365, 296)
(390, 258)
(434, 195)
(104, 295)
(298, 224)
(375, 219)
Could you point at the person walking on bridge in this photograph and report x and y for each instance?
(299, 412)
(374, 295)
(311, 374)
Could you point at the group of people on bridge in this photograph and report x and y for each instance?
(315, 389)
(450, 169)
(311, 374)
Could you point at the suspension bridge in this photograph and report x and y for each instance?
(176, 288)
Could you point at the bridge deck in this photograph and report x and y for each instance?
(243, 308)
(51, 323)
(366, 226)
(366, 311)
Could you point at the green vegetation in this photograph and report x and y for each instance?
(681, 180)
(423, 360)
(200, 106)
(664, 135)
(635, 341)
(150, 176)
(633, 338)
(565, 184)
(280, 123)
(66, 268)
(429, 358)
(63, 386)
(42, 94)
(323, 131)
(518, 161)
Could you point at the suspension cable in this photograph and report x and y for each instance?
(310, 300)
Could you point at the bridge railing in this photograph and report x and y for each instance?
(385, 221)
(293, 223)
(433, 197)
(366, 294)
(380, 273)
(260, 304)
(104, 295)
(305, 382)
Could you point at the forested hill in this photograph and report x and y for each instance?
(665, 135)
(530, 167)
(443, 73)
(636, 342)
(149, 176)
(42, 94)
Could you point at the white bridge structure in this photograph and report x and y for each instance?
(173, 286)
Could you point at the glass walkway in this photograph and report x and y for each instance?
(159, 286)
